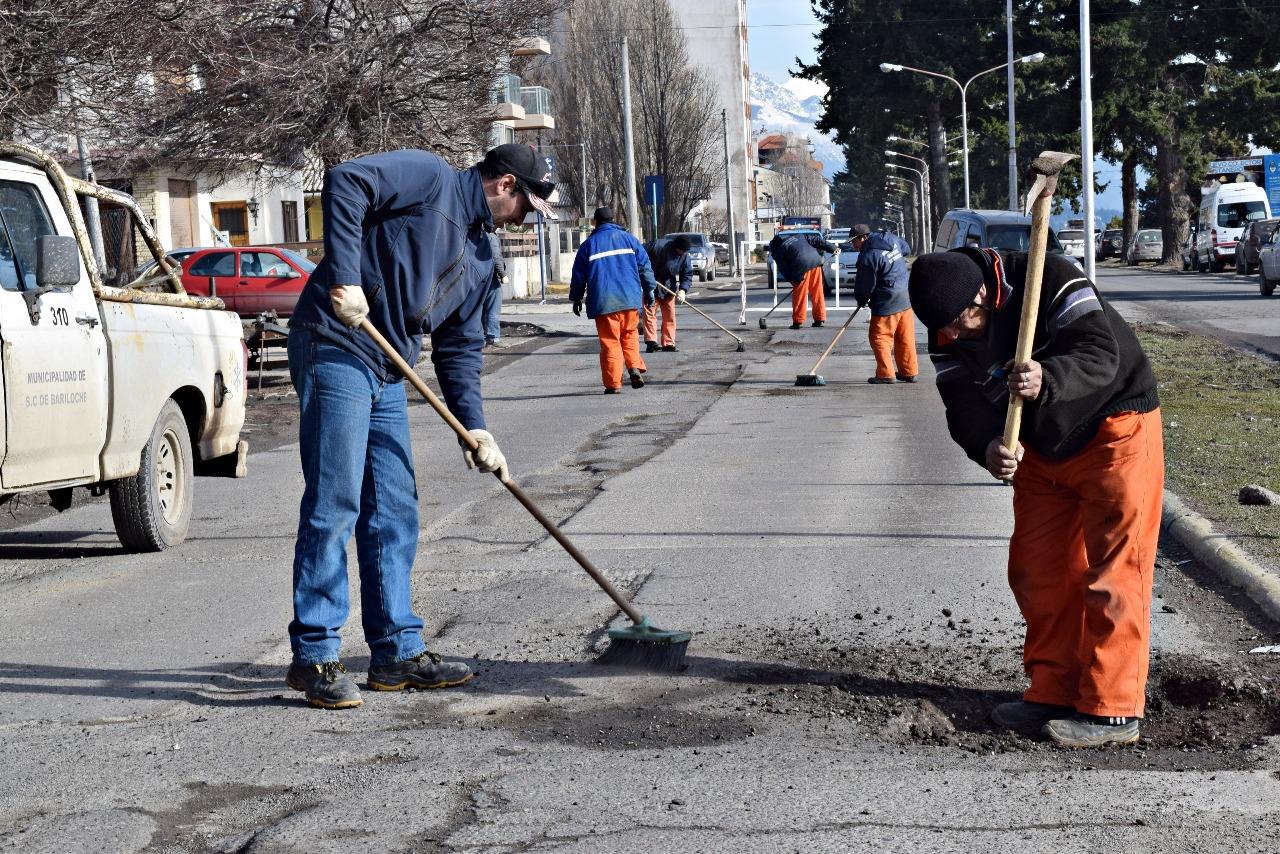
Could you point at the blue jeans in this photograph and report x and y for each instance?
(357, 465)
(492, 309)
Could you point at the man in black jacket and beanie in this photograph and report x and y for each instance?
(1087, 477)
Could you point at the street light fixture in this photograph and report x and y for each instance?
(964, 109)
(927, 213)
(926, 224)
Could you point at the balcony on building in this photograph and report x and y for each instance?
(501, 133)
(532, 46)
(506, 98)
(536, 101)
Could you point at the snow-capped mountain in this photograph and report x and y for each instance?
(794, 106)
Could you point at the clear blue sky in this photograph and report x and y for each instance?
(780, 30)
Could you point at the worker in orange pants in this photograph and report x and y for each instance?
(673, 271)
(809, 287)
(1087, 475)
(881, 282)
(619, 347)
(611, 274)
(1070, 557)
(798, 257)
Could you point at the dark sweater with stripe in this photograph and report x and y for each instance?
(1092, 362)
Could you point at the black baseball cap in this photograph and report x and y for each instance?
(603, 215)
(533, 171)
(860, 230)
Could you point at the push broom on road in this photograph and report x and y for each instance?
(813, 378)
(787, 298)
(741, 346)
(639, 645)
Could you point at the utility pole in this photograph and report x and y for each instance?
(1086, 135)
(92, 219)
(585, 215)
(728, 197)
(633, 203)
(1013, 132)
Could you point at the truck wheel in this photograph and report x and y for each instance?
(152, 509)
(711, 274)
(1266, 287)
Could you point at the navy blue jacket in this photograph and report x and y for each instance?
(413, 232)
(903, 246)
(881, 277)
(612, 271)
(797, 253)
(671, 271)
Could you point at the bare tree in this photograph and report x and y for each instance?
(673, 106)
(249, 82)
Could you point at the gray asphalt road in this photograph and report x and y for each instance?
(1224, 305)
(841, 565)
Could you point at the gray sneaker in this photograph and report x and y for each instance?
(326, 685)
(426, 671)
(1024, 715)
(1082, 730)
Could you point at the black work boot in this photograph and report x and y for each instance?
(796, 325)
(1081, 730)
(906, 378)
(1023, 715)
(326, 685)
(651, 346)
(817, 324)
(637, 381)
(668, 348)
(425, 671)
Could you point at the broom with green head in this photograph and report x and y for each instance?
(638, 645)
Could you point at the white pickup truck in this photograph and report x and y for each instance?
(124, 389)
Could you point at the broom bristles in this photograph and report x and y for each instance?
(645, 655)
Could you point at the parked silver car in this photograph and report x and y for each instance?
(1269, 264)
(1148, 245)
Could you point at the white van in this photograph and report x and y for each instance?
(1225, 209)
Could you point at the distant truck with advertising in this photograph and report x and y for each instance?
(1235, 193)
(125, 386)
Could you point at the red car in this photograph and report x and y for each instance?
(249, 279)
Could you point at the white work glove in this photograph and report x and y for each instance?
(487, 457)
(349, 304)
(680, 297)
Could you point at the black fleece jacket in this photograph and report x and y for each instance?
(1092, 362)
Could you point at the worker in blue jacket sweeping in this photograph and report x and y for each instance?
(881, 280)
(406, 245)
(612, 273)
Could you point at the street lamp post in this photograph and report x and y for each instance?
(964, 109)
(924, 201)
(919, 186)
(898, 191)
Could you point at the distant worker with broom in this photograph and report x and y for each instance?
(611, 272)
(673, 270)
(881, 282)
(1087, 477)
(407, 249)
(798, 256)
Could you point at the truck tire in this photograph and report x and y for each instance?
(1266, 287)
(152, 509)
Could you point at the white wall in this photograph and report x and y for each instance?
(267, 229)
(717, 38)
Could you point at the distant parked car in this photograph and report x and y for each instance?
(1112, 243)
(1269, 264)
(997, 229)
(1072, 242)
(177, 256)
(723, 254)
(1255, 234)
(249, 279)
(1225, 209)
(701, 253)
(1148, 245)
(848, 264)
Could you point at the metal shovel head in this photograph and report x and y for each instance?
(810, 380)
(763, 325)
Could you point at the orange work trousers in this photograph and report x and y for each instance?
(810, 286)
(1080, 564)
(668, 306)
(619, 345)
(893, 339)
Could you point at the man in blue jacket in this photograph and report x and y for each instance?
(881, 280)
(612, 272)
(673, 271)
(798, 257)
(406, 245)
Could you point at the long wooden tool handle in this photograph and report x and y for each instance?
(703, 313)
(779, 303)
(834, 341)
(1030, 309)
(443, 411)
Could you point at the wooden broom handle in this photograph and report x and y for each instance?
(443, 411)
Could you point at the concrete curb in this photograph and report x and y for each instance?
(1221, 555)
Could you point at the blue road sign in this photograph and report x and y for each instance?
(654, 190)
